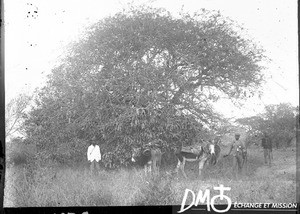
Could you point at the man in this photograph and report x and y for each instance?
(239, 153)
(266, 143)
(94, 155)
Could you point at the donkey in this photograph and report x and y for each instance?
(202, 154)
(215, 151)
(149, 158)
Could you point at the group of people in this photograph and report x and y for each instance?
(240, 151)
(237, 147)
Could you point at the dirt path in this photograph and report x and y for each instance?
(283, 165)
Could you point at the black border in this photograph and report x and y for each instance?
(298, 125)
(2, 107)
(201, 209)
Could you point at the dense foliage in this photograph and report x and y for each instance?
(143, 75)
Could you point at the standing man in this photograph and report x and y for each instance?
(266, 143)
(94, 155)
(239, 153)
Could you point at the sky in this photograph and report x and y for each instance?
(38, 31)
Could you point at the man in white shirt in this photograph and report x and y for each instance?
(94, 156)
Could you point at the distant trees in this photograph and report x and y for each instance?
(144, 75)
(279, 121)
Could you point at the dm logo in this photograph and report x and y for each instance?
(210, 202)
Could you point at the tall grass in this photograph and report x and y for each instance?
(77, 187)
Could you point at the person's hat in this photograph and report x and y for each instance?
(237, 135)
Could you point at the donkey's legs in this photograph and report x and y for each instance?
(182, 168)
(150, 167)
(154, 167)
(177, 167)
(201, 165)
(145, 169)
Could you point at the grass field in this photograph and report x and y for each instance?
(76, 187)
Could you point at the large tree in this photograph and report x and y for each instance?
(143, 75)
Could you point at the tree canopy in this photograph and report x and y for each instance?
(143, 75)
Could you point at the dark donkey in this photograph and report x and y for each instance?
(149, 158)
(202, 153)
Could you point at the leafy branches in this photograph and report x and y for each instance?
(15, 113)
(142, 75)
